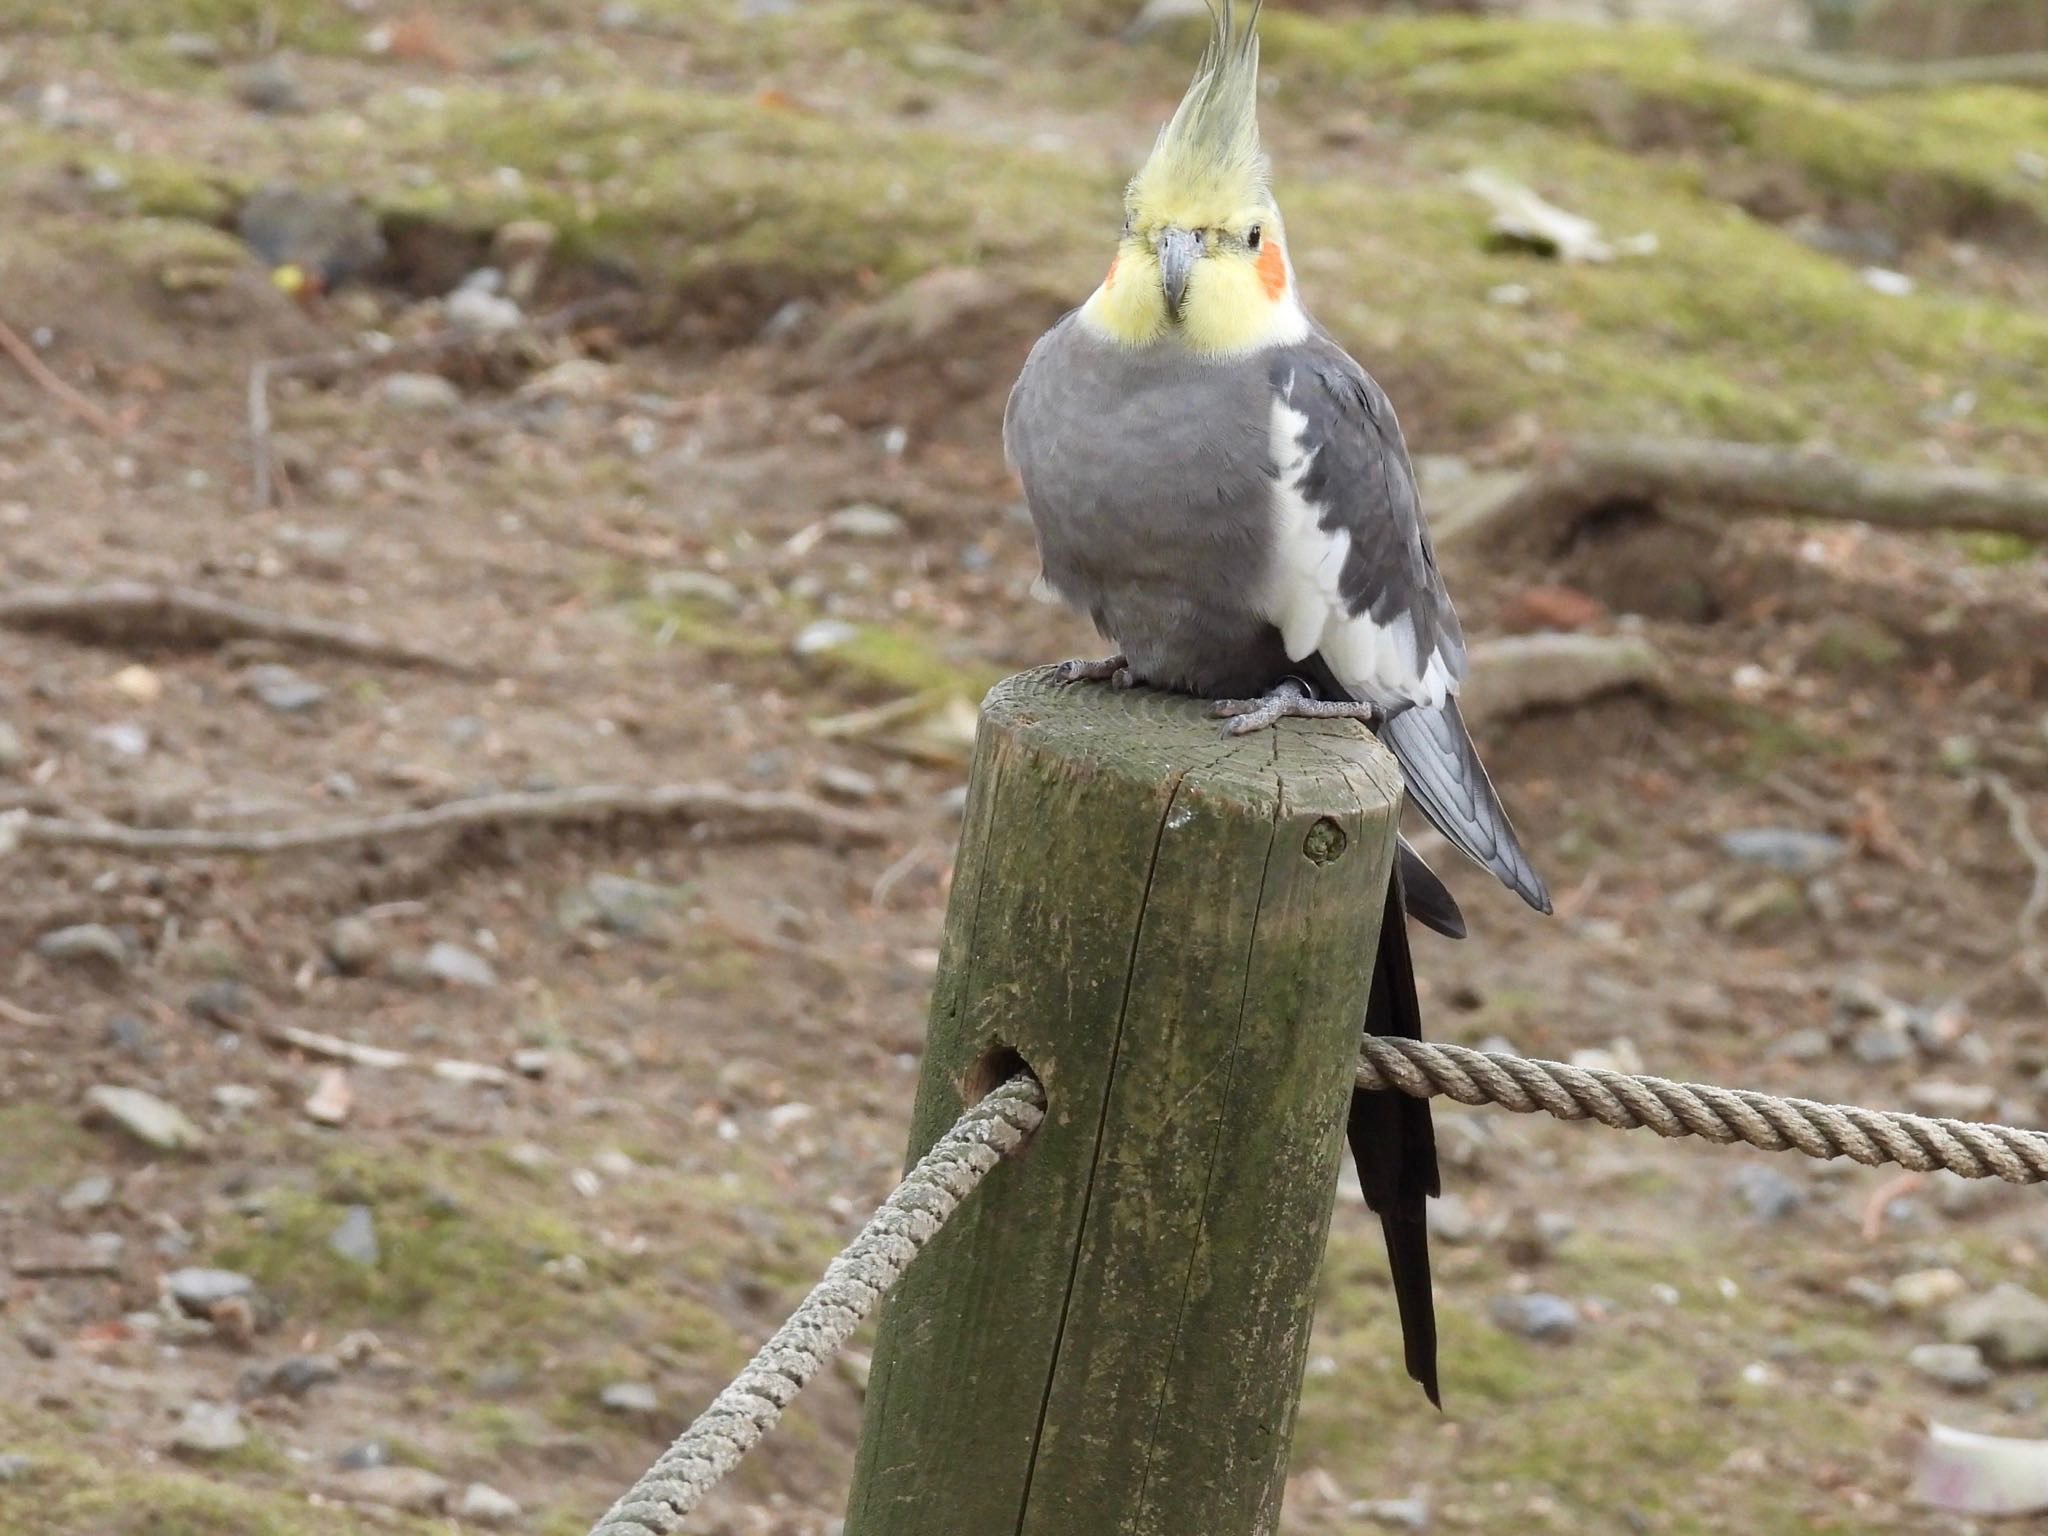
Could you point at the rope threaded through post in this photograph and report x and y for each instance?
(853, 1285)
(1726, 1115)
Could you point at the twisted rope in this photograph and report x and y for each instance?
(1726, 1115)
(853, 1284)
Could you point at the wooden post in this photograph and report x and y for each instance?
(1175, 930)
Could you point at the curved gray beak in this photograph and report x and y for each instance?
(1179, 250)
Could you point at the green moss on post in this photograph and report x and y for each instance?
(1175, 930)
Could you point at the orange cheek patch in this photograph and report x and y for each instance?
(1273, 269)
(1110, 280)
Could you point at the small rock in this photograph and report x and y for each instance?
(1769, 1194)
(1959, 1367)
(58, 1256)
(1923, 1290)
(1961, 1101)
(363, 1457)
(225, 1003)
(824, 635)
(209, 1429)
(1880, 1045)
(1409, 1514)
(615, 903)
(198, 1291)
(269, 86)
(236, 1098)
(331, 1099)
(482, 313)
(293, 1376)
(280, 688)
(192, 47)
(15, 1469)
(532, 1061)
(2008, 1322)
(481, 1504)
(125, 1032)
(122, 738)
(875, 524)
(13, 750)
(1450, 1220)
(354, 945)
(1785, 849)
(1894, 285)
(91, 945)
(411, 1490)
(1804, 1045)
(36, 1339)
(145, 1117)
(355, 1239)
(91, 1193)
(458, 967)
(694, 587)
(420, 393)
(629, 1397)
(838, 782)
(1538, 1315)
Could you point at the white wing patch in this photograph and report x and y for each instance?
(1302, 598)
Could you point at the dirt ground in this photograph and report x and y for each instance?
(622, 529)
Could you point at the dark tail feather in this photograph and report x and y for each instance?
(1429, 900)
(1450, 784)
(1395, 1149)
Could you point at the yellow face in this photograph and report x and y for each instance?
(1212, 275)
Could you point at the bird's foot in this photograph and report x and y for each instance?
(1114, 670)
(1287, 700)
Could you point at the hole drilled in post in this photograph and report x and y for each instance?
(1325, 842)
(993, 1068)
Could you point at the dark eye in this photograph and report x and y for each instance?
(1253, 238)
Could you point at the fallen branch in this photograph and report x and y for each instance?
(1522, 673)
(1859, 76)
(2032, 956)
(1543, 507)
(39, 374)
(158, 614)
(712, 809)
(263, 478)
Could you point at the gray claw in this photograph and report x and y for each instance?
(1287, 700)
(1114, 670)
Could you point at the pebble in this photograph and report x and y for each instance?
(427, 393)
(191, 47)
(199, 1291)
(1923, 1290)
(354, 945)
(209, 1429)
(1769, 1194)
(59, 1255)
(1804, 1045)
(1959, 1367)
(14, 1469)
(13, 750)
(823, 635)
(280, 688)
(411, 1490)
(615, 903)
(458, 967)
(355, 1238)
(331, 1099)
(1785, 849)
(1450, 1220)
(91, 1193)
(1537, 1315)
(121, 738)
(481, 1504)
(269, 86)
(36, 1339)
(1964, 1101)
(2009, 1322)
(838, 782)
(871, 523)
(125, 1032)
(84, 944)
(225, 1003)
(1880, 1045)
(1409, 1514)
(294, 1376)
(143, 1116)
(684, 586)
(629, 1397)
(363, 1457)
(482, 312)
(532, 1061)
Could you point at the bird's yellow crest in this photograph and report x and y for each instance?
(1202, 255)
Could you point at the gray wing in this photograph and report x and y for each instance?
(1355, 584)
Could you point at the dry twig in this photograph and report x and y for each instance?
(14, 1013)
(713, 810)
(160, 614)
(1541, 508)
(2033, 951)
(39, 373)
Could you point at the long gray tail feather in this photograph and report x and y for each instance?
(1394, 1146)
(1430, 901)
(1450, 784)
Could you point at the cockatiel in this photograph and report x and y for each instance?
(1227, 494)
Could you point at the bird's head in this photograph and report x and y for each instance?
(1203, 256)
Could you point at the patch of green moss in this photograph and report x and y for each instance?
(45, 1144)
(69, 1494)
(236, 24)
(173, 255)
(894, 660)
